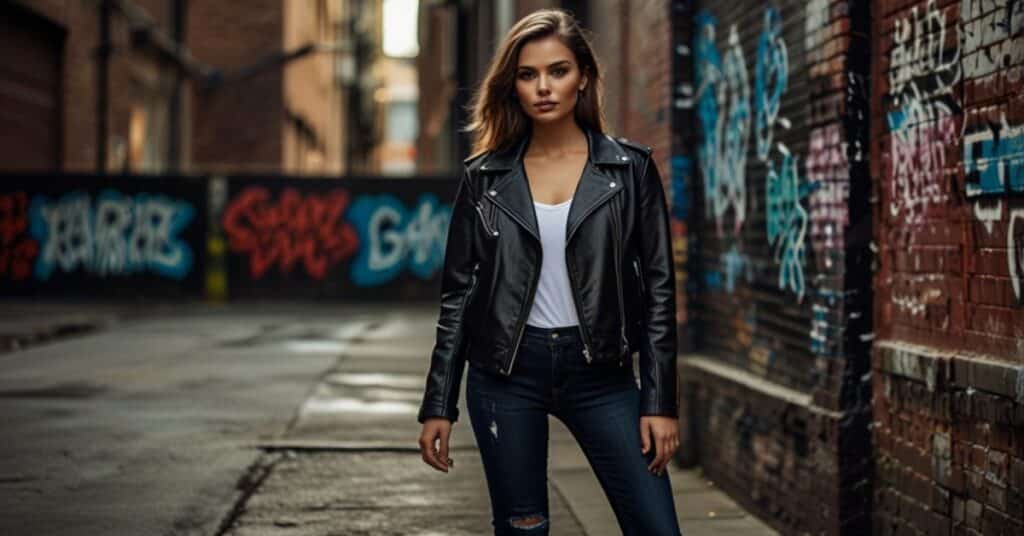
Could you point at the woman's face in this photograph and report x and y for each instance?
(547, 79)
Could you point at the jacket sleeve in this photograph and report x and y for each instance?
(447, 360)
(658, 347)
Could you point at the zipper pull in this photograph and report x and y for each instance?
(586, 352)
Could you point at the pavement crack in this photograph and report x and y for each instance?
(248, 483)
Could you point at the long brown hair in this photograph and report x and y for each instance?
(496, 117)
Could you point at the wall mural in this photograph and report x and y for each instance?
(133, 236)
(353, 237)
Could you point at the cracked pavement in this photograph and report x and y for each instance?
(248, 419)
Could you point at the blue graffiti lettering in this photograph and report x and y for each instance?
(392, 238)
(772, 74)
(118, 235)
(723, 106)
(994, 160)
(787, 223)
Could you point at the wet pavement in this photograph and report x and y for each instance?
(262, 418)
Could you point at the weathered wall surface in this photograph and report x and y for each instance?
(779, 237)
(947, 158)
(239, 237)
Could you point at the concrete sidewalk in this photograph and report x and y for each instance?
(253, 419)
(359, 424)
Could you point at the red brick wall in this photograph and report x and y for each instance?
(128, 66)
(238, 126)
(949, 357)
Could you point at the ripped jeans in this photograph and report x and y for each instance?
(599, 404)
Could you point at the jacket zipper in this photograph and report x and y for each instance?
(487, 227)
(522, 320)
(575, 302)
(618, 279)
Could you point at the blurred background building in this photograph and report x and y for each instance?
(267, 86)
(846, 181)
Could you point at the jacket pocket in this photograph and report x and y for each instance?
(489, 228)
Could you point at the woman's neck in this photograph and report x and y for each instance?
(556, 139)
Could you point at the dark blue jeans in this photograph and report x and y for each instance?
(599, 404)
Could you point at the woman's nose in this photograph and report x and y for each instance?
(542, 85)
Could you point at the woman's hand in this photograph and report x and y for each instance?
(663, 433)
(436, 429)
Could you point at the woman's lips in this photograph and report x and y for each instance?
(547, 106)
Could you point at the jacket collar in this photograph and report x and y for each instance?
(511, 191)
(603, 149)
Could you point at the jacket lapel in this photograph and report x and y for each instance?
(511, 190)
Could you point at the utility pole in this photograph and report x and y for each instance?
(102, 87)
(174, 136)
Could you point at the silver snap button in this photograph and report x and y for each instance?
(495, 233)
(623, 157)
(611, 184)
(493, 193)
(554, 335)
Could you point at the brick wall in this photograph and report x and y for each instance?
(946, 156)
(777, 389)
(135, 78)
(239, 126)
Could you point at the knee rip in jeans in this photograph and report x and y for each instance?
(532, 521)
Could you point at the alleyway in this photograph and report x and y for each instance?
(258, 419)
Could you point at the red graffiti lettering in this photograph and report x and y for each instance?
(17, 249)
(296, 228)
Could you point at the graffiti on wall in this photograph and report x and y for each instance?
(394, 238)
(922, 76)
(919, 55)
(111, 234)
(787, 224)
(992, 38)
(785, 218)
(723, 110)
(295, 230)
(360, 235)
(827, 166)
(922, 130)
(17, 249)
(724, 98)
(772, 75)
(1015, 252)
(994, 159)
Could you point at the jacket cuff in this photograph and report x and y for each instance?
(433, 410)
(664, 411)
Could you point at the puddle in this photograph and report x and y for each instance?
(356, 405)
(378, 379)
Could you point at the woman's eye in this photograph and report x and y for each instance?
(560, 72)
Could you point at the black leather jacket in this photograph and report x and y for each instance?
(618, 254)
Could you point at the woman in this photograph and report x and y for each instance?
(558, 266)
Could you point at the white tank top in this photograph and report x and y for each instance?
(552, 302)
